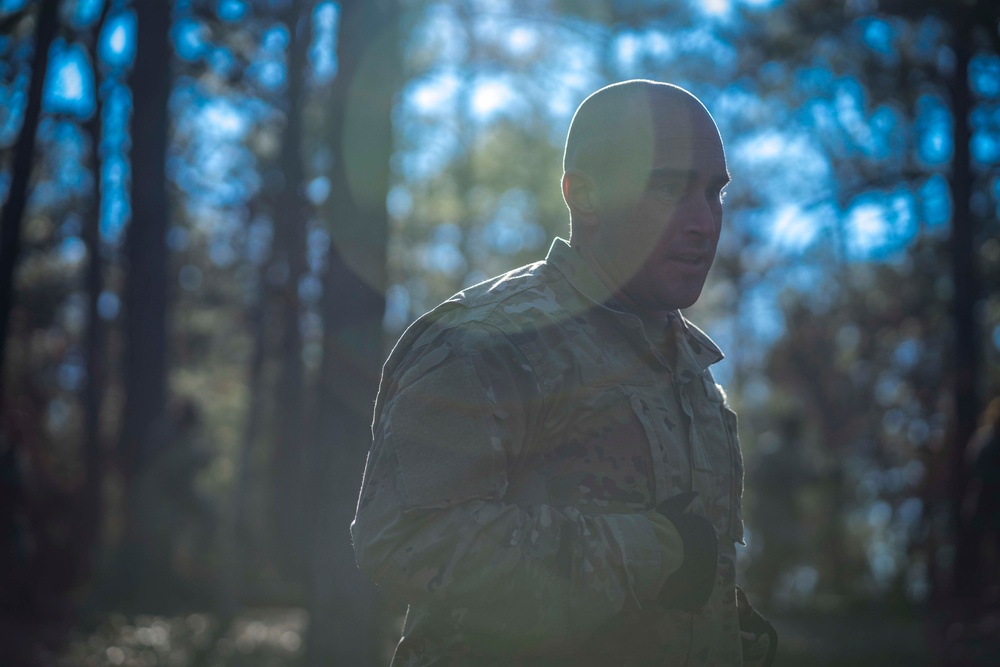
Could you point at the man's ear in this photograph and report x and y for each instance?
(580, 193)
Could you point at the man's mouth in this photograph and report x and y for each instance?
(693, 258)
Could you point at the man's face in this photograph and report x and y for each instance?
(658, 233)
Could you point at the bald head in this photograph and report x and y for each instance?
(614, 131)
(644, 173)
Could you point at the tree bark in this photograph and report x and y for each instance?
(145, 300)
(47, 23)
(360, 134)
(965, 295)
(291, 216)
(93, 390)
(146, 288)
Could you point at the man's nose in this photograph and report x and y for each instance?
(698, 218)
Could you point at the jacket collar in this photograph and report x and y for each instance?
(695, 350)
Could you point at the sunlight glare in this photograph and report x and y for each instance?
(716, 7)
(521, 41)
(768, 145)
(116, 40)
(430, 95)
(223, 120)
(69, 81)
(867, 229)
(793, 228)
(69, 86)
(489, 97)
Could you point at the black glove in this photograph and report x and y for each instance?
(691, 585)
(759, 638)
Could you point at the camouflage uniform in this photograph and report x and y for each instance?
(523, 431)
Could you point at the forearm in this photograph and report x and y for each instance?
(508, 574)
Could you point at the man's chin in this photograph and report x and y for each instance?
(668, 292)
(655, 303)
(678, 300)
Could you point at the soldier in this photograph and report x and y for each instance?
(555, 477)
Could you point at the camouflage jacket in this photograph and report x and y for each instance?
(522, 430)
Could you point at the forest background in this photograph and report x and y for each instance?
(218, 215)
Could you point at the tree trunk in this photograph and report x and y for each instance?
(965, 296)
(242, 536)
(290, 251)
(146, 293)
(46, 24)
(145, 297)
(360, 134)
(90, 495)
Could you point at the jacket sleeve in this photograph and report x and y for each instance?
(433, 527)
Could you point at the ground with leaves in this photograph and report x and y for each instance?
(273, 637)
(258, 638)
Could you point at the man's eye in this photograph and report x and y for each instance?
(670, 188)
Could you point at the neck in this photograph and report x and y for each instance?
(617, 287)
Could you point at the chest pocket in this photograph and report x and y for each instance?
(598, 458)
